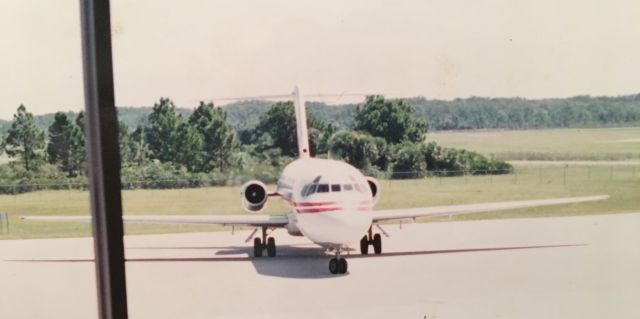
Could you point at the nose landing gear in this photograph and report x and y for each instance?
(337, 264)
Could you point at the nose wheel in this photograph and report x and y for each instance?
(266, 243)
(338, 265)
(371, 239)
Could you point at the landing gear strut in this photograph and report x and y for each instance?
(371, 239)
(337, 264)
(268, 243)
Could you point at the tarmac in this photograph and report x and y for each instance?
(567, 267)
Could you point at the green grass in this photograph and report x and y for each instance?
(622, 183)
(555, 144)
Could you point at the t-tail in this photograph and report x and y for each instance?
(301, 123)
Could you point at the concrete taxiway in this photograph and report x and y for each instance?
(568, 267)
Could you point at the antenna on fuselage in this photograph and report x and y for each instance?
(301, 123)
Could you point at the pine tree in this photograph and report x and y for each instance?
(25, 140)
(161, 132)
(66, 145)
(219, 140)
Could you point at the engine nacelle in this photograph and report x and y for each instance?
(254, 196)
(374, 187)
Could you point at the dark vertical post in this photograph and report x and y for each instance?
(104, 159)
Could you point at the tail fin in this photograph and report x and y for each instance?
(301, 124)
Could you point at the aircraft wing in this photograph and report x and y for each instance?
(395, 214)
(249, 220)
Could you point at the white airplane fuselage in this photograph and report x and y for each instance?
(330, 201)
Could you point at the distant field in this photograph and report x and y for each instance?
(556, 144)
(622, 183)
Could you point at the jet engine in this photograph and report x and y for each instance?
(254, 196)
(374, 187)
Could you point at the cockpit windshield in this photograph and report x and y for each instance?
(315, 187)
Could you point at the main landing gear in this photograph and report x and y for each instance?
(337, 264)
(368, 239)
(268, 243)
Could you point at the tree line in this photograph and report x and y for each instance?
(518, 113)
(169, 149)
(458, 114)
(480, 113)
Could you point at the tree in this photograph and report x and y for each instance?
(218, 139)
(189, 151)
(359, 149)
(24, 139)
(65, 148)
(392, 120)
(320, 134)
(409, 161)
(279, 122)
(80, 121)
(161, 132)
(127, 145)
(82, 152)
(139, 148)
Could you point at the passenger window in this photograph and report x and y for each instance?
(335, 187)
(323, 188)
(347, 187)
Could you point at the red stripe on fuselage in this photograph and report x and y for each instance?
(329, 209)
(307, 204)
(319, 210)
(325, 207)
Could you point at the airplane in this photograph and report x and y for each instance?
(331, 203)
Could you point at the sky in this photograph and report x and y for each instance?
(197, 50)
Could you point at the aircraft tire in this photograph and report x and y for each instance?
(271, 247)
(364, 245)
(342, 265)
(333, 266)
(257, 247)
(377, 244)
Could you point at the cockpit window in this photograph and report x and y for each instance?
(311, 189)
(323, 188)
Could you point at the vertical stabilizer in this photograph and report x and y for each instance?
(301, 124)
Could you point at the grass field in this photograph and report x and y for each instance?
(622, 183)
(556, 144)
